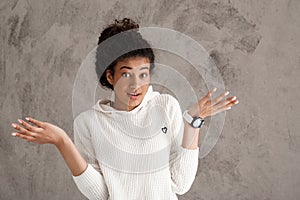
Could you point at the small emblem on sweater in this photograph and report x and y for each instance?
(164, 129)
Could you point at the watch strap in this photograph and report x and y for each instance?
(187, 117)
(191, 119)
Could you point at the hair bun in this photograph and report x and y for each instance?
(118, 26)
(126, 24)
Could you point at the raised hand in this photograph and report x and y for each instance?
(41, 133)
(207, 107)
(44, 132)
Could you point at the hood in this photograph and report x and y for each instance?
(104, 105)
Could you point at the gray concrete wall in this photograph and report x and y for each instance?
(256, 45)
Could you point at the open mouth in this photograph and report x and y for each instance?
(134, 95)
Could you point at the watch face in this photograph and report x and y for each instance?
(197, 123)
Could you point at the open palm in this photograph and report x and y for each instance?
(207, 107)
(41, 133)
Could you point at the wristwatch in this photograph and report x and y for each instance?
(195, 122)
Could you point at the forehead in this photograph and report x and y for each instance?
(133, 62)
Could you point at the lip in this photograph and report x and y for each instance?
(134, 95)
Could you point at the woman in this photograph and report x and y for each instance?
(122, 146)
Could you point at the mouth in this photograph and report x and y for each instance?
(134, 95)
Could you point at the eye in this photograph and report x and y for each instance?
(126, 74)
(144, 75)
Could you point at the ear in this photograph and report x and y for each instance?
(109, 77)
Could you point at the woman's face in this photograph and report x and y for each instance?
(130, 81)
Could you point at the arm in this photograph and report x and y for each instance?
(184, 155)
(190, 137)
(204, 108)
(72, 157)
(87, 178)
(91, 183)
(44, 133)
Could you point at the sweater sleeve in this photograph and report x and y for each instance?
(91, 182)
(183, 161)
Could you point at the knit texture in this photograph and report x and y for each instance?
(136, 154)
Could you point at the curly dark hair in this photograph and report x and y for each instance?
(123, 45)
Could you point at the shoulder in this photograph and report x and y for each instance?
(85, 117)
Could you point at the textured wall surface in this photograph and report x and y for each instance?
(255, 44)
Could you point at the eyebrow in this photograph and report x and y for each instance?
(126, 67)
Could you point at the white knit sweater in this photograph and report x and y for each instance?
(135, 155)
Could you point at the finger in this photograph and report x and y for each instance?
(36, 122)
(227, 106)
(207, 96)
(224, 105)
(219, 98)
(229, 101)
(232, 102)
(29, 127)
(23, 130)
(25, 137)
(212, 91)
(216, 111)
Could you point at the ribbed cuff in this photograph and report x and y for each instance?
(87, 176)
(188, 154)
(184, 169)
(91, 184)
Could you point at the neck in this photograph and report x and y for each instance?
(118, 105)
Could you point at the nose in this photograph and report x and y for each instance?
(134, 83)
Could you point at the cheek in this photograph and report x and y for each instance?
(146, 82)
(145, 88)
(121, 85)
